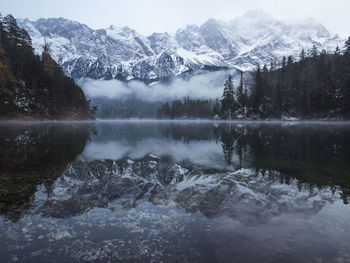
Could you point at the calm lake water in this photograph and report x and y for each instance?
(148, 191)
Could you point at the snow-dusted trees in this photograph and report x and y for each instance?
(347, 46)
(228, 105)
(242, 97)
(316, 86)
(34, 87)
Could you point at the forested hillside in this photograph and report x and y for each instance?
(313, 86)
(316, 85)
(33, 87)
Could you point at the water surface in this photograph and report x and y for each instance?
(133, 191)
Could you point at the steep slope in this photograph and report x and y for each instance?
(123, 53)
(32, 87)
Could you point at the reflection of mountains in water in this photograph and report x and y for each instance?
(270, 168)
(313, 153)
(247, 195)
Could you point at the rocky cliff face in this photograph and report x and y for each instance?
(123, 53)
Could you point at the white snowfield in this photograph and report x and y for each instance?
(123, 53)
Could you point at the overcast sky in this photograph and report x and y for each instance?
(148, 16)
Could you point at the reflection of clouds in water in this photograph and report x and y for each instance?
(198, 152)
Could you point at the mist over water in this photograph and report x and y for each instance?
(207, 85)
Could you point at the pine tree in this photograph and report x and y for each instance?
(257, 91)
(337, 51)
(347, 46)
(302, 55)
(15, 32)
(346, 85)
(283, 62)
(1, 27)
(314, 51)
(266, 93)
(240, 95)
(227, 102)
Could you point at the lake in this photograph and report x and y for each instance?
(158, 191)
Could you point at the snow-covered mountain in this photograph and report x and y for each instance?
(123, 53)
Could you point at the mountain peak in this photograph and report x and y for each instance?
(192, 27)
(255, 37)
(213, 22)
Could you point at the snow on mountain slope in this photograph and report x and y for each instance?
(123, 53)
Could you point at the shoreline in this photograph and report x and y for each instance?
(33, 121)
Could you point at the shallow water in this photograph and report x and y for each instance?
(133, 191)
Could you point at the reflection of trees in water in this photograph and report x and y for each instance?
(227, 144)
(233, 142)
(314, 154)
(32, 155)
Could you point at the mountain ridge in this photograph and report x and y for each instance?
(123, 53)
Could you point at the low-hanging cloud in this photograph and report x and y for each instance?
(201, 86)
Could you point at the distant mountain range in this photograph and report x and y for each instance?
(123, 53)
